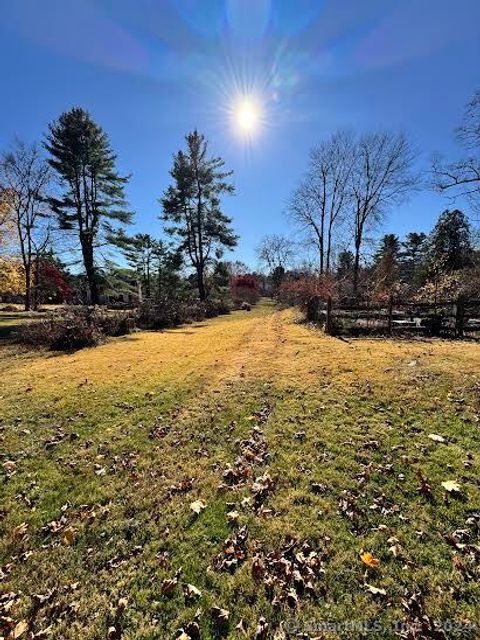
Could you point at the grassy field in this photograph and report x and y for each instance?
(246, 477)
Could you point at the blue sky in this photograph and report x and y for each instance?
(151, 70)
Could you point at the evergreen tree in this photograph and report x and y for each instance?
(93, 192)
(140, 253)
(386, 262)
(450, 246)
(192, 207)
(345, 262)
(413, 257)
(151, 259)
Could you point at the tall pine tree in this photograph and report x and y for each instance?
(93, 198)
(192, 207)
(450, 243)
(386, 262)
(413, 260)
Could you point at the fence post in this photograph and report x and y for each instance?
(328, 319)
(390, 314)
(459, 317)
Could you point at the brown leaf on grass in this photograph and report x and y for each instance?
(20, 530)
(232, 516)
(9, 467)
(425, 487)
(68, 537)
(370, 560)
(234, 552)
(191, 592)
(190, 632)
(292, 599)
(240, 627)
(261, 488)
(258, 569)
(318, 487)
(220, 616)
(183, 486)
(168, 586)
(418, 624)
(261, 632)
(19, 630)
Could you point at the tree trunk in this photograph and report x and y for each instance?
(356, 268)
(329, 247)
(28, 287)
(36, 283)
(201, 284)
(87, 251)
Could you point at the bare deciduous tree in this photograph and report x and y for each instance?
(462, 178)
(26, 176)
(275, 251)
(381, 177)
(319, 204)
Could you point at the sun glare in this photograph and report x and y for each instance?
(247, 116)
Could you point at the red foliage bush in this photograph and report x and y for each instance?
(306, 293)
(245, 288)
(301, 292)
(52, 283)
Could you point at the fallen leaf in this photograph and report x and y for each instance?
(240, 627)
(68, 536)
(9, 466)
(368, 559)
(197, 506)
(19, 629)
(190, 592)
(168, 586)
(20, 530)
(232, 517)
(292, 599)
(261, 631)
(376, 591)
(436, 438)
(451, 486)
(220, 615)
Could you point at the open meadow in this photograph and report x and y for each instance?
(246, 476)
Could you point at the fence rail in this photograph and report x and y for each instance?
(450, 318)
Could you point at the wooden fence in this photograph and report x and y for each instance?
(457, 318)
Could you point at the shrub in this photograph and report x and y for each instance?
(75, 328)
(171, 313)
(65, 334)
(307, 294)
(161, 314)
(116, 324)
(244, 288)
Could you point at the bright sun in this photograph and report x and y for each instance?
(247, 116)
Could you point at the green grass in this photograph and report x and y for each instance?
(150, 411)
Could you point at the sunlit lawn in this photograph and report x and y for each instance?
(105, 450)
